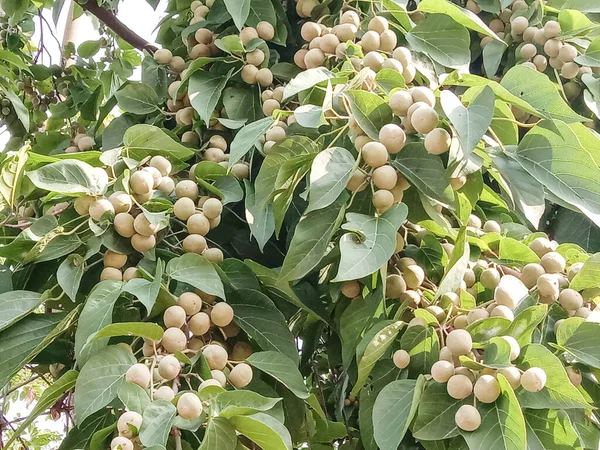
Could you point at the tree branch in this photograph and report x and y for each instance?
(111, 21)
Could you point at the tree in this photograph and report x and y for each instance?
(347, 225)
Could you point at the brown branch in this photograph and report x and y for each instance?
(111, 21)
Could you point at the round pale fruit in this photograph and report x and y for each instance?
(515, 348)
(190, 302)
(487, 389)
(164, 393)
(459, 386)
(459, 342)
(198, 224)
(424, 119)
(441, 371)
(162, 164)
(401, 359)
(82, 204)
(221, 314)
(375, 154)
(395, 286)
(200, 324)
(110, 273)
(184, 208)
(533, 379)
(540, 246)
(121, 443)
(574, 375)
(194, 243)
(351, 289)
(174, 316)
(510, 291)
(437, 141)
(553, 262)
(400, 102)
(174, 340)
(99, 207)
(143, 226)
(126, 421)
(490, 278)
(530, 274)
(265, 30)
(570, 299)
(241, 375)
(163, 56)
(414, 276)
(143, 243)
(212, 208)
(189, 406)
(548, 285)
(214, 255)
(169, 367)
(138, 374)
(512, 375)
(121, 201)
(187, 188)
(216, 356)
(114, 259)
(141, 182)
(467, 418)
(385, 177)
(247, 34)
(383, 199)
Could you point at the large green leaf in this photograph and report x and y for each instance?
(352, 322)
(370, 242)
(99, 380)
(370, 111)
(81, 436)
(455, 270)
(550, 429)
(257, 315)
(329, 174)
(69, 176)
(220, 435)
(147, 292)
(247, 138)
(146, 330)
(502, 423)
(574, 179)
(394, 410)
(137, 98)
(260, 219)
(435, 415)
(17, 304)
(423, 346)
(516, 253)
(239, 11)
(537, 90)
(196, 271)
(264, 430)
(589, 275)
(559, 392)
(143, 140)
(134, 397)
(445, 41)
(241, 403)
(282, 368)
(205, 89)
(582, 343)
(242, 103)
(156, 424)
(96, 314)
(306, 80)
(69, 274)
(311, 240)
(526, 322)
(591, 57)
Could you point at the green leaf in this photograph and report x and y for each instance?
(15, 9)
(21, 342)
(239, 11)
(497, 353)
(502, 423)
(147, 292)
(260, 219)
(588, 6)
(306, 80)
(143, 140)
(257, 315)
(370, 242)
(17, 304)
(69, 176)
(460, 15)
(575, 179)
(457, 266)
(96, 314)
(241, 403)
(134, 397)
(515, 253)
(329, 173)
(49, 397)
(100, 379)
(15, 100)
(374, 350)
(591, 57)
(149, 331)
(424, 171)
(394, 410)
(264, 430)
(370, 111)
(231, 44)
(282, 368)
(389, 79)
(537, 90)
(559, 392)
(242, 103)
(311, 240)
(99, 438)
(205, 89)
(549, 429)
(522, 328)
(137, 98)
(220, 435)
(231, 189)
(195, 270)
(87, 49)
(69, 275)
(82, 435)
(589, 275)
(471, 123)
(582, 344)
(156, 424)
(435, 415)
(247, 138)
(485, 329)
(443, 40)
(422, 345)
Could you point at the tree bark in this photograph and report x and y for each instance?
(70, 34)
(112, 22)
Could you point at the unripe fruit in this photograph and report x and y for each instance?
(437, 141)
(164, 393)
(392, 137)
(241, 375)
(383, 200)
(414, 276)
(395, 286)
(519, 25)
(265, 30)
(314, 58)
(459, 386)
(510, 291)
(459, 342)
(442, 370)
(553, 262)
(174, 316)
(540, 62)
(216, 356)
(424, 119)
(487, 389)
(400, 102)
(162, 164)
(203, 36)
(247, 34)
(190, 302)
(174, 340)
(121, 443)
(199, 324)
(467, 418)
(551, 29)
(221, 314)
(490, 278)
(570, 299)
(127, 419)
(138, 374)
(533, 379)
(189, 406)
(528, 51)
(401, 359)
(166, 186)
(114, 259)
(373, 60)
(512, 375)
(213, 255)
(110, 273)
(569, 70)
(163, 56)
(169, 367)
(212, 208)
(477, 314)
(574, 375)
(387, 41)
(351, 289)
(123, 224)
(155, 173)
(530, 274)
(392, 64)
(121, 201)
(370, 41)
(461, 322)
(86, 143)
(99, 207)
(142, 243)
(552, 48)
(491, 226)
(143, 226)
(198, 224)
(82, 204)
(540, 246)
(385, 177)
(187, 188)
(184, 208)
(194, 243)
(374, 154)
(515, 348)
(141, 182)
(567, 53)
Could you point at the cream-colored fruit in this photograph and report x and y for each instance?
(99, 207)
(121, 201)
(216, 356)
(163, 56)
(383, 200)
(186, 188)
(198, 224)
(530, 274)
(491, 226)
(395, 286)
(247, 34)
(265, 30)
(130, 273)
(190, 302)
(164, 393)
(414, 276)
(241, 375)
(387, 41)
(442, 370)
(121, 443)
(213, 255)
(533, 379)
(241, 351)
(437, 141)
(540, 246)
(314, 58)
(548, 286)
(199, 324)
(114, 259)
(86, 143)
(401, 359)
(138, 374)
(82, 204)
(374, 154)
(424, 119)
(519, 25)
(510, 291)
(212, 208)
(310, 30)
(459, 386)
(515, 348)
(143, 243)
(467, 418)
(110, 273)
(370, 41)
(174, 316)
(194, 243)
(392, 137)
(553, 262)
(400, 102)
(189, 406)
(221, 314)
(385, 177)
(570, 299)
(169, 367)
(166, 186)
(490, 278)
(551, 29)
(264, 77)
(174, 339)
(184, 208)
(574, 375)
(357, 181)
(351, 289)
(459, 342)
(486, 389)
(162, 164)
(512, 375)
(143, 226)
